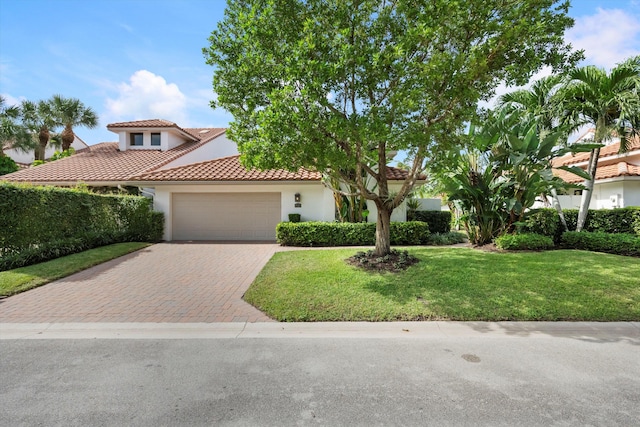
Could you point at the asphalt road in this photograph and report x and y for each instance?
(358, 375)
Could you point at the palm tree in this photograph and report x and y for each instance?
(611, 103)
(12, 133)
(541, 104)
(72, 112)
(40, 119)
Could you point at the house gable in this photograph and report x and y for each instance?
(155, 134)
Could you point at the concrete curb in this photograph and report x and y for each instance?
(613, 331)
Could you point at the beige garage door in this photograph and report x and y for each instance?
(224, 216)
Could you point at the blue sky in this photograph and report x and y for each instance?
(142, 59)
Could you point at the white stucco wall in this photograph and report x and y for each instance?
(399, 214)
(168, 139)
(219, 147)
(607, 195)
(316, 201)
(434, 204)
(172, 140)
(619, 193)
(631, 192)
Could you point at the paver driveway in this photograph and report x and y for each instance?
(166, 282)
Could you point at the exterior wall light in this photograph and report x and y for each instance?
(297, 198)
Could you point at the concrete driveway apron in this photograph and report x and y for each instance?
(166, 282)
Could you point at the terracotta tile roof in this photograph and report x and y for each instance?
(225, 169)
(615, 170)
(609, 165)
(104, 163)
(606, 151)
(230, 169)
(205, 134)
(151, 123)
(396, 174)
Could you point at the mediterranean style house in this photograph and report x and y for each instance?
(195, 178)
(617, 183)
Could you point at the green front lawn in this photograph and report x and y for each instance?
(25, 278)
(453, 284)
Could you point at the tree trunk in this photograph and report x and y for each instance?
(383, 231)
(67, 137)
(588, 190)
(556, 204)
(43, 140)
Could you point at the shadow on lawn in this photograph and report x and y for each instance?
(465, 284)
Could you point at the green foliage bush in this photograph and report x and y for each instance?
(7, 165)
(348, 234)
(439, 221)
(294, 217)
(620, 244)
(36, 221)
(524, 242)
(547, 221)
(443, 239)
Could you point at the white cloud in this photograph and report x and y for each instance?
(10, 101)
(607, 37)
(148, 96)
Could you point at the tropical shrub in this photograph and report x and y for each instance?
(528, 242)
(620, 244)
(314, 233)
(499, 175)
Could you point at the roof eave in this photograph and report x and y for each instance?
(218, 182)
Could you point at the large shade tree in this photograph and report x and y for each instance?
(71, 112)
(608, 101)
(339, 85)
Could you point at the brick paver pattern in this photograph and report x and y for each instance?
(166, 282)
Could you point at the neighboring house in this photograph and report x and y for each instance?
(617, 183)
(25, 159)
(198, 182)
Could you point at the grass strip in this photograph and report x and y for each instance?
(25, 278)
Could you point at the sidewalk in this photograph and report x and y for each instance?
(591, 331)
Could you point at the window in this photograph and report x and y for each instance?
(155, 139)
(136, 139)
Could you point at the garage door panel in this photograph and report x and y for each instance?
(225, 216)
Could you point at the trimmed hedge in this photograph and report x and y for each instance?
(524, 242)
(547, 221)
(439, 221)
(619, 244)
(36, 221)
(348, 234)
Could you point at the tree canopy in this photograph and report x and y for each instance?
(339, 86)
